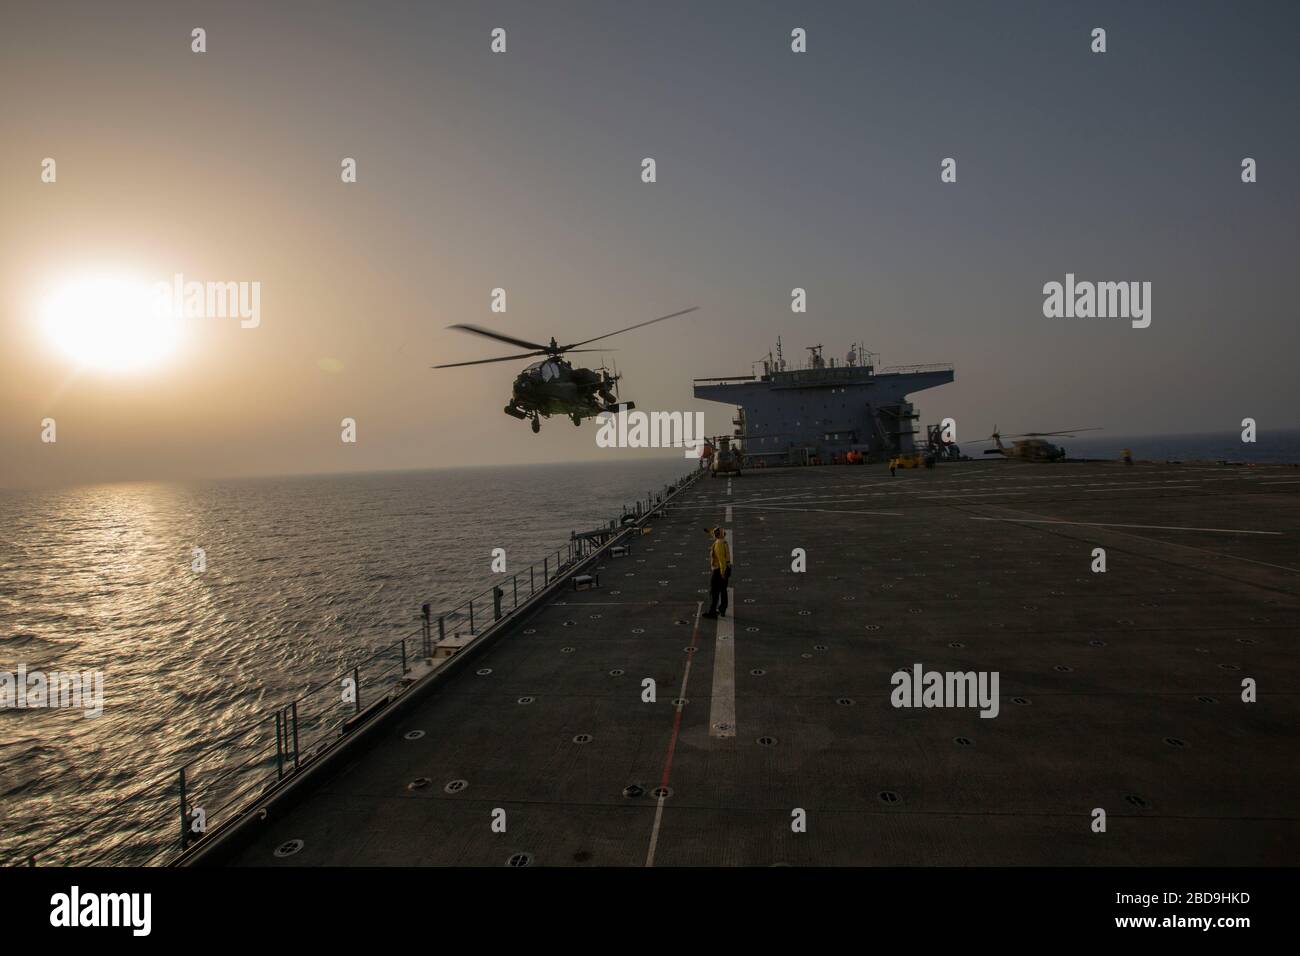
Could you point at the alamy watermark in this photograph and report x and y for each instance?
(209, 300)
(130, 910)
(922, 688)
(637, 429)
(24, 689)
(1099, 300)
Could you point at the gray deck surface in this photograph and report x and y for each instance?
(900, 571)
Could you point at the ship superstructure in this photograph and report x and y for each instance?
(824, 410)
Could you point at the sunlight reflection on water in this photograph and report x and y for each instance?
(304, 575)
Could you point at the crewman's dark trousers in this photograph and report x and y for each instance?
(718, 593)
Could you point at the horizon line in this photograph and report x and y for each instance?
(91, 482)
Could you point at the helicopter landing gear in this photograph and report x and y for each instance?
(537, 425)
(577, 420)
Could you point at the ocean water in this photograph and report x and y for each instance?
(304, 577)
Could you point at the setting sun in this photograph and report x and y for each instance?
(110, 323)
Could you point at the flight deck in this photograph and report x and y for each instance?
(772, 739)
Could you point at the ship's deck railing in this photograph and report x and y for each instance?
(914, 369)
(176, 809)
(823, 374)
(164, 817)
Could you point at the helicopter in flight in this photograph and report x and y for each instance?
(1032, 446)
(553, 386)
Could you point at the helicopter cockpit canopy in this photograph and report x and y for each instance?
(547, 371)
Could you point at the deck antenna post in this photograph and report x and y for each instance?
(294, 710)
(184, 828)
(279, 745)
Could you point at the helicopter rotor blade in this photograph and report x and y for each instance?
(672, 315)
(1065, 433)
(489, 334)
(503, 358)
(508, 358)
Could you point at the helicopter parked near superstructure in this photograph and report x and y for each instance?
(1033, 446)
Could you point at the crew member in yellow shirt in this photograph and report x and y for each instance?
(720, 565)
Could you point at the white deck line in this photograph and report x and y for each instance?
(1106, 524)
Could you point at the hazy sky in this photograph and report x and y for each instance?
(522, 171)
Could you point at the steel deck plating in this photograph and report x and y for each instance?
(1119, 690)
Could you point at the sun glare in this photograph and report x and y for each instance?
(111, 323)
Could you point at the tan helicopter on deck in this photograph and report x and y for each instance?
(722, 454)
(1032, 446)
(722, 457)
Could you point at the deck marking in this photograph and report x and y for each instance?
(728, 518)
(672, 741)
(982, 494)
(722, 710)
(722, 715)
(1188, 547)
(1106, 524)
(1143, 487)
(828, 511)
